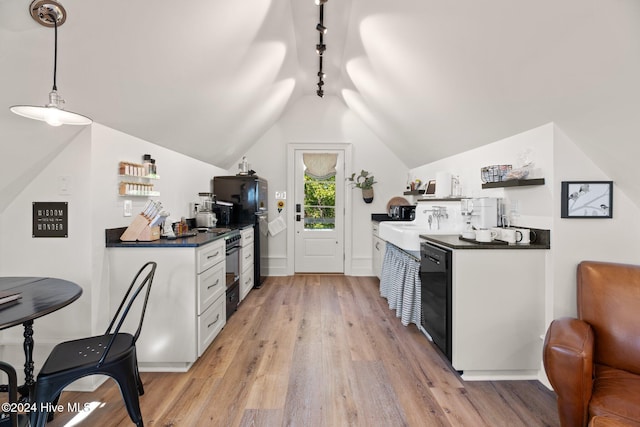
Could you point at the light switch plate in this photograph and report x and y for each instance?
(128, 208)
(64, 185)
(281, 195)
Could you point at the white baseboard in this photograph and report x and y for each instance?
(278, 266)
(500, 375)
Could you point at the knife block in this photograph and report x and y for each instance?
(139, 230)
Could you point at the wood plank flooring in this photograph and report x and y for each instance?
(320, 350)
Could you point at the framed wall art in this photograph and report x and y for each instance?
(586, 199)
(50, 219)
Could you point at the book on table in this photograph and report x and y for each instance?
(9, 296)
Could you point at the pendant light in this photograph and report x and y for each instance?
(50, 13)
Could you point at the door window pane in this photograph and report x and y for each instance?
(319, 203)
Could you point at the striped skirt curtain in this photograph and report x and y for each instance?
(400, 284)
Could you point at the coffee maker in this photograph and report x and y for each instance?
(484, 212)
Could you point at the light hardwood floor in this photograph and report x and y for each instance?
(320, 350)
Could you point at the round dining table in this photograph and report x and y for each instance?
(39, 296)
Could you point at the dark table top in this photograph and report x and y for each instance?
(40, 296)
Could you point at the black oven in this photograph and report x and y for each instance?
(232, 263)
(435, 287)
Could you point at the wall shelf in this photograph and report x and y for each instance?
(442, 199)
(134, 183)
(414, 193)
(514, 183)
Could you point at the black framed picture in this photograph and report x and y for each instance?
(586, 199)
(50, 219)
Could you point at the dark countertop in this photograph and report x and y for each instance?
(453, 241)
(112, 239)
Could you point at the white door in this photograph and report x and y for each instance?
(319, 211)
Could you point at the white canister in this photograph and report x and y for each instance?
(443, 184)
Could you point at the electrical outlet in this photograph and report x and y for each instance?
(128, 208)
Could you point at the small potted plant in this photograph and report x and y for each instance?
(365, 182)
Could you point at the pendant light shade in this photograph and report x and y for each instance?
(52, 113)
(50, 13)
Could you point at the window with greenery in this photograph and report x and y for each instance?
(319, 203)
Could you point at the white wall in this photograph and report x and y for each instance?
(90, 162)
(316, 120)
(556, 159)
(575, 240)
(67, 258)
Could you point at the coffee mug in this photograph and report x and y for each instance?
(469, 234)
(498, 231)
(485, 235)
(512, 235)
(528, 236)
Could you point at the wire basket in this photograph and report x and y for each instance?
(494, 173)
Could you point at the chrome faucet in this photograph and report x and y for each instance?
(440, 213)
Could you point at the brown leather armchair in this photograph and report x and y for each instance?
(593, 362)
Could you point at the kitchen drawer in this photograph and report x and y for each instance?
(211, 284)
(210, 323)
(246, 257)
(247, 236)
(209, 255)
(246, 282)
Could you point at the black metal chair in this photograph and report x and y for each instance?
(112, 354)
(11, 418)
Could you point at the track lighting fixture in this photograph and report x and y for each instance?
(321, 47)
(50, 13)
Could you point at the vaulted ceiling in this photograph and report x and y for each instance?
(431, 78)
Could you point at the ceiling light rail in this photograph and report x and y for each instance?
(321, 47)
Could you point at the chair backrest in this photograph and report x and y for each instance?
(144, 278)
(609, 300)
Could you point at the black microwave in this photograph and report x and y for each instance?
(403, 212)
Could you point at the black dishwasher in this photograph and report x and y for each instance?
(435, 278)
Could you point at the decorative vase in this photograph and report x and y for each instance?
(367, 195)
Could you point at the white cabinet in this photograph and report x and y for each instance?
(211, 299)
(186, 308)
(378, 249)
(498, 312)
(246, 262)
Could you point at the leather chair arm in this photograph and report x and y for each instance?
(568, 361)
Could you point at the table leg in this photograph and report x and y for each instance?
(26, 390)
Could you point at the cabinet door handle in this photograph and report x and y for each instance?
(247, 281)
(214, 322)
(378, 245)
(215, 284)
(214, 255)
(248, 256)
